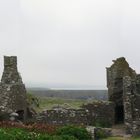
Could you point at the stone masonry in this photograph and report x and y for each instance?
(12, 89)
(124, 91)
(132, 105)
(95, 113)
(115, 75)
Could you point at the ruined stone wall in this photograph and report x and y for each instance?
(124, 91)
(100, 112)
(12, 89)
(136, 106)
(132, 105)
(137, 81)
(97, 113)
(64, 116)
(115, 74)
(128, 98)
(136, 116)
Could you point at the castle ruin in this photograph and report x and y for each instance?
(123, 105)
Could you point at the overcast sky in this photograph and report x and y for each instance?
(68, 43)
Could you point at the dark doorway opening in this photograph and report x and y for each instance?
(119, 114)
(20, 115)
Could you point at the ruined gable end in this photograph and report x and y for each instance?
(12, 89)
(124, 91)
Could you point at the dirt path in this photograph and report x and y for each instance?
(119, 131)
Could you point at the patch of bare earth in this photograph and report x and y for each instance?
(119, 131)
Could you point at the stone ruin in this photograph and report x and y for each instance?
(124, 91)
(123, 105)
(12, 89)
(115, 75)
(88, 114)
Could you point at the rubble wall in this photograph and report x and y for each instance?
(99, 113)
(132, 105)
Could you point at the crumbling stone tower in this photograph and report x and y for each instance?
(12, 89)
(124, 91)
(115, 74)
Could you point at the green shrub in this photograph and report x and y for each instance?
(78, 132)
(32, 100)
(102, 123)
(63, 133)
(21, 134)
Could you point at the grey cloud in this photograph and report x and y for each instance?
(69, 43)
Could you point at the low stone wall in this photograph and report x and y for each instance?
(98, 113)
(64, 116)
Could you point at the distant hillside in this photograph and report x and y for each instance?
(70, 94)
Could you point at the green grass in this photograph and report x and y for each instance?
(120, 138)
(136, 138)
(49, 102)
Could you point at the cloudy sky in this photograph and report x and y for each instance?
(68, 43)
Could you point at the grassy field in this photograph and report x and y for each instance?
(49, 102)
